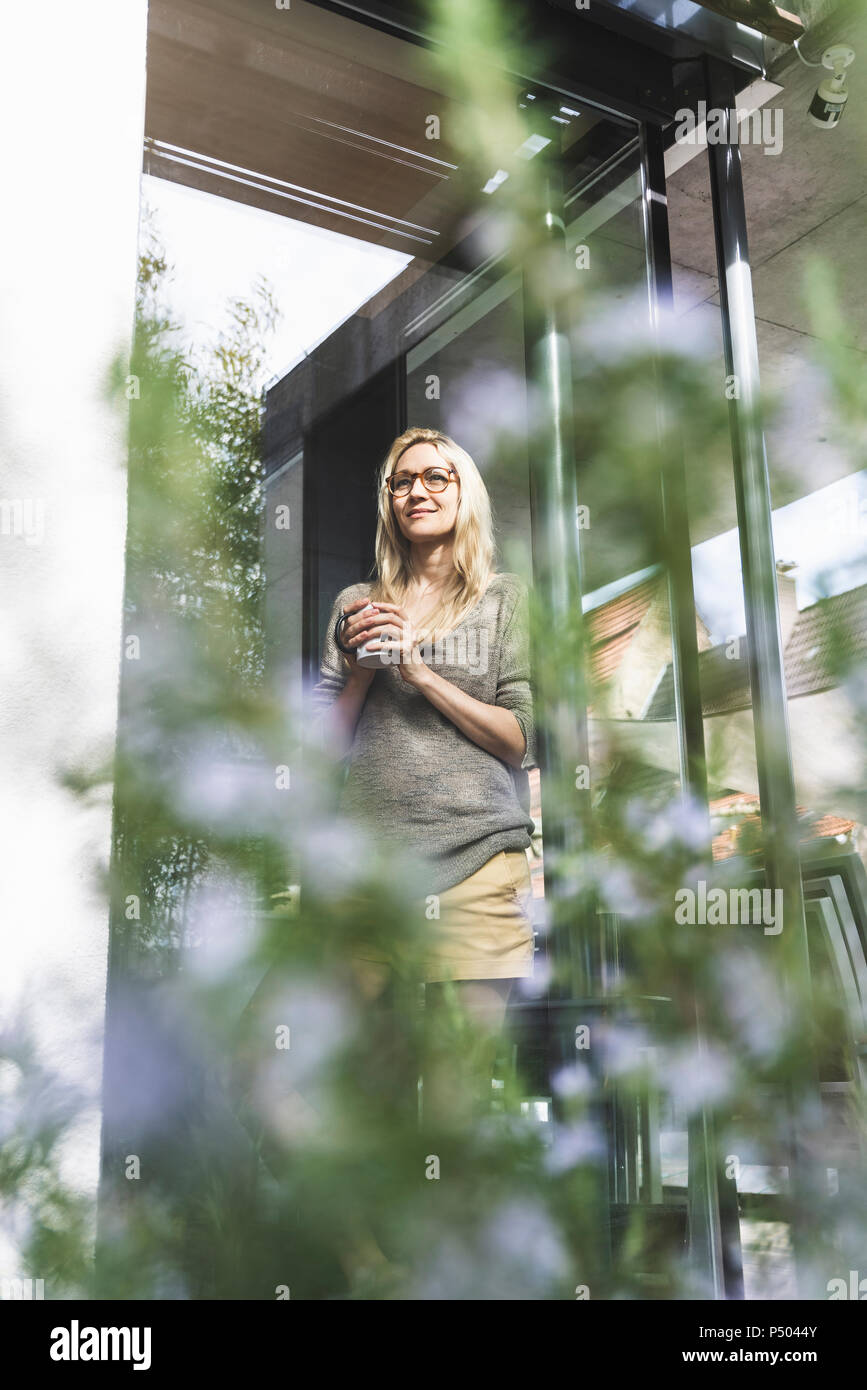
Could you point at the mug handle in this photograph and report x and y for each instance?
(347, 651)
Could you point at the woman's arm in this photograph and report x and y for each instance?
(506, 728)
(342, 689)
(338, 723)
(490, 726)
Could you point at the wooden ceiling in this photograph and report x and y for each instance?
(313, 116)
(303, 113)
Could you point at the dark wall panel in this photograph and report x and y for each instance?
(343, 452)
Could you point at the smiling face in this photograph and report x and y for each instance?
(423, 515)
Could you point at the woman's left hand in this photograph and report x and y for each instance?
(401, 643)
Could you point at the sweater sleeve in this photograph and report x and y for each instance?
(334, 668)
(513, 681)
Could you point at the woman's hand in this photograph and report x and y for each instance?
(390, 630)
(352, 634)
(490, 726)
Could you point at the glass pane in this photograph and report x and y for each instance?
(808, 340)
(340, 242)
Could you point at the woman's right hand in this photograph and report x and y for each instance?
(352, 634)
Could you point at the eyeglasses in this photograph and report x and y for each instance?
(435, 480)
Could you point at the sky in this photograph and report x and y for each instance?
(824, 534)
(218, 247)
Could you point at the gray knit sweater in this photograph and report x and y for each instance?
(412, 775)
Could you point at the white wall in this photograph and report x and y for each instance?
(72, 81)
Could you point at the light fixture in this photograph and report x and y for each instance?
(830, 97)
(532, 145)
(495, 180)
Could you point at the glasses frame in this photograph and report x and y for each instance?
(437, 467)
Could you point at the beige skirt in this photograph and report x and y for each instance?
(484, 930)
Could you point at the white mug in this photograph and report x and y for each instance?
(368, 659)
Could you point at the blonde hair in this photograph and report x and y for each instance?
(473, 550)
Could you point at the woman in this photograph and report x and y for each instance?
(439, 738)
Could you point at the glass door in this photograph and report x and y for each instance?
(450, 247)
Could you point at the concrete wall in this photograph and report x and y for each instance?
(72, 81)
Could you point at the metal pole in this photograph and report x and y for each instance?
(765, 655)
(559, 665)
(559, 670)
(707, 1215)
